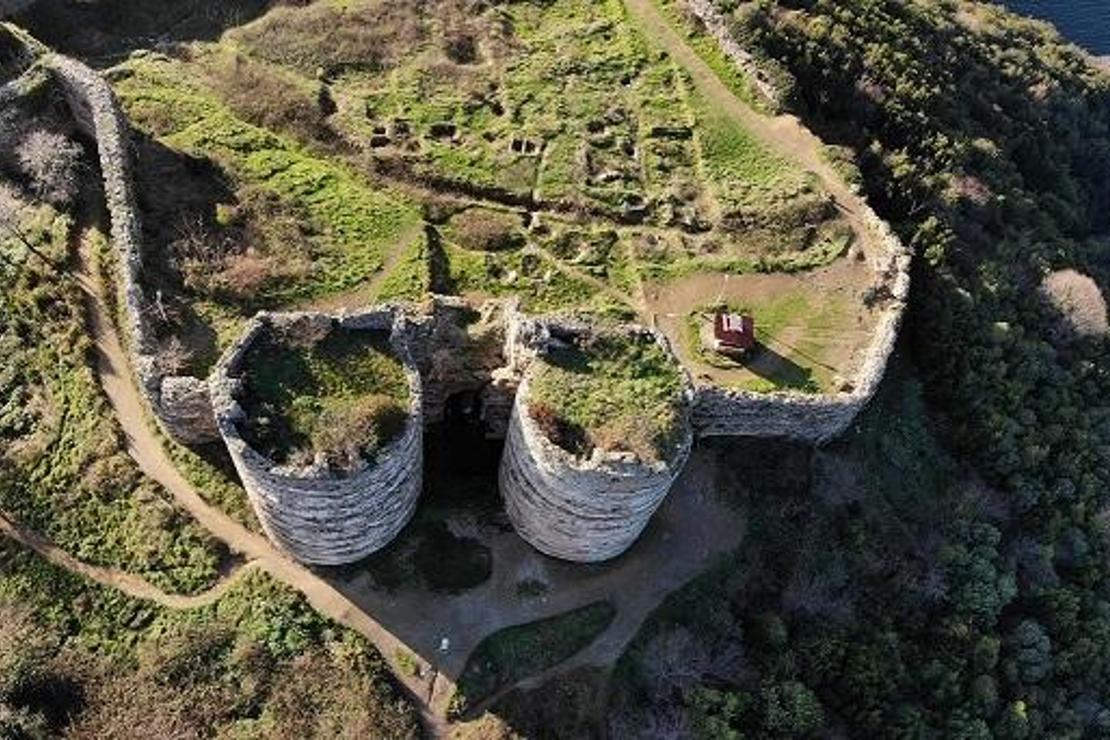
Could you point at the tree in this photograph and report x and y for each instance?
(52, 163)
(791, 708)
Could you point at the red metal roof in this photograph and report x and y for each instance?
(734, 330)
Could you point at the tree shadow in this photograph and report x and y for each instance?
(103, 31)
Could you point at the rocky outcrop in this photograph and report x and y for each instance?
(580, 509)
(318, 517)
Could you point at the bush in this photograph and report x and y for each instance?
(52, 164)
(268, 99)
(349, 433)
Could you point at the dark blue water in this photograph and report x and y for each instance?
(1086, 22)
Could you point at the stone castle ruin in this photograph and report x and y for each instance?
(320, 517)
(570, 508)
(582, 509)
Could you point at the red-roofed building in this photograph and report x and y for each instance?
(733, 333)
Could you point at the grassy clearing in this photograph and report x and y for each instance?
(537, 280)
(64, 469)
(746, 175)
(514, 653)
(353, 226)
(800, 333)
(612, 392)
(343, 398)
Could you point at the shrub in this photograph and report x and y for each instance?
(52, 164)
(350, 432)
(462, 49)
(328, 37)
(268, 99)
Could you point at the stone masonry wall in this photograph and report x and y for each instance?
(717, 26)
(180, 403)
(584, 510)
(317, 517)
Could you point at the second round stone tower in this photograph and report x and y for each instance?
(599, 431)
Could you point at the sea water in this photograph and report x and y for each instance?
(1086, 22)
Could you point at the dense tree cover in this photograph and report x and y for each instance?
(968, 598)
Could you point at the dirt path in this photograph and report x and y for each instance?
(128, 583)
(365, 293)
(684, 539)
(785, 133)
(690, 531)
(146, 448)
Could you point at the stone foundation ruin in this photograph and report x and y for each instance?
(571, 509)
(318, 517)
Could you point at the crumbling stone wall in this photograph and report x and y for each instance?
(461, 348)
(180, 403)
(717, 26)
(317, 517)
(817, 418)
(584, 510)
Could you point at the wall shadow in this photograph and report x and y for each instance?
(101, 32)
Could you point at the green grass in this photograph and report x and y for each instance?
(295, 397)
(356, 225)
(797, 325)
(409, 280)
(745, 173)
(64, 469)
(537, 280)
(514, 653)
(613, 392)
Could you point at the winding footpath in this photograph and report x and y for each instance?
(145, 447)
(430, 689)
(128, 583)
